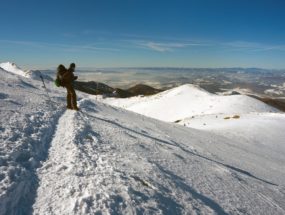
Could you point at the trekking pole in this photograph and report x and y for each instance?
(49, 98)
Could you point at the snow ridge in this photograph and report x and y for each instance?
(188, 101)
(13, 68)
(32, 74)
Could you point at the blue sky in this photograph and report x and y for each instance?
(127, 33)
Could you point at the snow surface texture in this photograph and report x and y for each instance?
(105, 160)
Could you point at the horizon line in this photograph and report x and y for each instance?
(149, 67)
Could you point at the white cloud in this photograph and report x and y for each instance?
(163, 46)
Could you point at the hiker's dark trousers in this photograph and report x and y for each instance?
(71, 96)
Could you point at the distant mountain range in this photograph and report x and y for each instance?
(97, 88)
(274, 102)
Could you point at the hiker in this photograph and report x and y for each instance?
(66, 78)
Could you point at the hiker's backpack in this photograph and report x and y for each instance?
(57, 82)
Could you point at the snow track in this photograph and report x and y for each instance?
(76, 177)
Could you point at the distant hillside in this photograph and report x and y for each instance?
(97, 88)
(187, 101)
(119, 93)
(142, 89)
(92, 87)
(274, 102)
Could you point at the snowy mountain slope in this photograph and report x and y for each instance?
(12, 67)
(189, 100)
(111, 161)
(33, 74)
(236, 117)
(258, 133)
(27, 123)
(119, 162)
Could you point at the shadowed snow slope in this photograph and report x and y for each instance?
(105, 160)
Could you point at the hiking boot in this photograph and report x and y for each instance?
(76, 108)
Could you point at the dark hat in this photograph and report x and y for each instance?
(72, 65)
(61, 68)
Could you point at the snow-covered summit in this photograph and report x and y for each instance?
(189, 89)
(13, 68)
(189, 100)
(33, 74)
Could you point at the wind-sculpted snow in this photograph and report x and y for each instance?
(105, 160)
